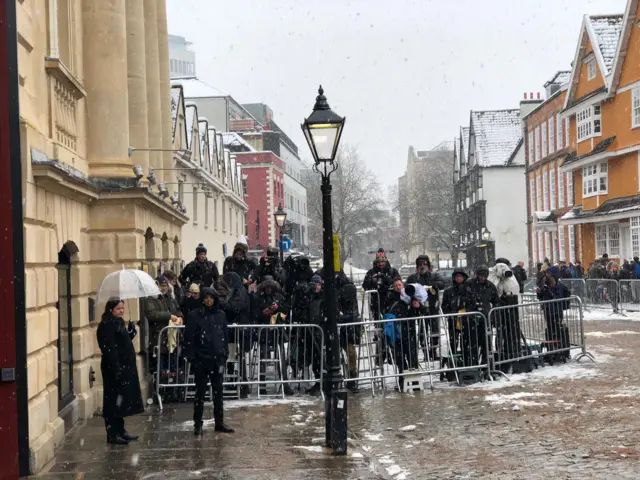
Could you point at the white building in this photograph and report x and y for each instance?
(182, 61)
(209, 183)
(489, 182)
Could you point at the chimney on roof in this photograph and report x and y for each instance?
(531, 95)
(538, 96)
(525, 95)
(528, 104)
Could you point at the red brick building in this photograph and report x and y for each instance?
(263, 176)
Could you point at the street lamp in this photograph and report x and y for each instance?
(281, 217)
(486, 235)
(323, 129)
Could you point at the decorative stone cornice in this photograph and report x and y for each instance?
(60, 72)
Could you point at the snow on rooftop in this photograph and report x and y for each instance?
(560, 78)
(607, 29)
(464, 131)
(196, 88)
(190, 112)
(497, 133)
(232, 138)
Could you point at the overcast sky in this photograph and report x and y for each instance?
(402, 72)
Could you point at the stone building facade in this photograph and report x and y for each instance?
(94, 82)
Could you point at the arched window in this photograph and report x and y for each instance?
(65, 325)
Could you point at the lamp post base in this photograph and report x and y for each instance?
(335, 416)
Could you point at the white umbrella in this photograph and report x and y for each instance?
(125, 284)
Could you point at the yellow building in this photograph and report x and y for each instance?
(94, 81)
(603, 106)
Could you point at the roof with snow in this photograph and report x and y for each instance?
(190, 113)
(612, 206)
(464, 133)
(196, 88)
(232, 139)
(606, 29)
(497, 134)
(560, 78)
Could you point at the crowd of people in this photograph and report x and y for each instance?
(266, 292)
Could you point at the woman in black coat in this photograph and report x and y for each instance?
(121, 396)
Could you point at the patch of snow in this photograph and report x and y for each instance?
(515, 399)
(373, 437)
(357, 455)
(610, 334)
(408, 428)
(385, 460)
(313, 448)
(267, 402)
(596, 314)
(625, 392)
(134, 459)
(394, 470)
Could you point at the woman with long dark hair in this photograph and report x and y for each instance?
(121, 396)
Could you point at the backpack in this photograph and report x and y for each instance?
(391, 329)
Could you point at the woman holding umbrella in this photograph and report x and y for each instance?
(121, 397)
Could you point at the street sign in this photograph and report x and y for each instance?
(286, 244)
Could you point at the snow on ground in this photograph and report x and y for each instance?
(514, 399)
(610, 334)
(314, 448)
(625, 392)
(607, 314)
(266, 402)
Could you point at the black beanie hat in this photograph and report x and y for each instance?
(201, 249)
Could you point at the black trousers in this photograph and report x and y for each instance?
(114, 426)
(202, 376)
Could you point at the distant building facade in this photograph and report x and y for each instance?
(182, 60)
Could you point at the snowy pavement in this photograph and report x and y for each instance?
(577, 420)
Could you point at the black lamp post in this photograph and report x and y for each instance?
(281, 217)
(323, 129)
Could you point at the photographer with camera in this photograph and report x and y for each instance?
(506, 321)
(551, 288)
(379, 278)
(268, 308)
(269, 266)
(485, 297)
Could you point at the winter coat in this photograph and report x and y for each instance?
(553, 292)
(395, 305)
(206, 337)
(636, 267)
(262, 300)
(265, 269)
(244, 267)
(505, 284)
(158, 311)
(485, 295)
(122, 396)
(189, 304)
(236, 304)
(521, 276)
(203, 273)
(458, 296)
(429, 279)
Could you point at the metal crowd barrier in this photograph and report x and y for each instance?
(537, 333)
(601, 293)
(629, 295)
(269, 357)
(530, 285)
(577, 287)
(445, 345)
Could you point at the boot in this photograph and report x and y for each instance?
(222, 428)
(117, 440)
(288, 391)
(244, 391)
(128, 437)
(197, 429)
(314, 391)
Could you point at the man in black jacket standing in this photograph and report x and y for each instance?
(206, 347)
(379, 278)
(240, 263)
(485, 297)
(200, 270)
(520, 274)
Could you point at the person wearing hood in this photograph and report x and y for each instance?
(200, 270)
(506, 321)
(379, 278)
(207, 348)
(433, 282)
(269, 266)
(485, 296)
(315, 315)
(236, 304)
(520, 274)
(268, 307)
(240, 263)
(552, 289)
(458, 299)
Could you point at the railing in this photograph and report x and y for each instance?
(273, 358)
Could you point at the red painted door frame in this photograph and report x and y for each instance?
(14, 422)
